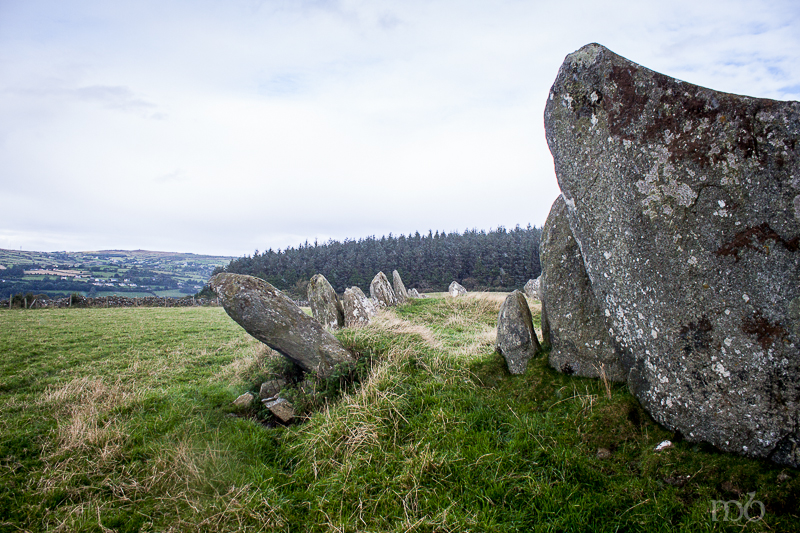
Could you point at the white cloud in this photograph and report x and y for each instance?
(284, 121)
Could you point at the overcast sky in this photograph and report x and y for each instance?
(225, 126)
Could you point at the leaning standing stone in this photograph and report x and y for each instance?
(325, 305)
(399, 289)
(516, 338)
(685, 203)
(382, 291)
(358, 309)
(274, 319)
(456, 289)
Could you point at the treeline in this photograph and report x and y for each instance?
(496, 260)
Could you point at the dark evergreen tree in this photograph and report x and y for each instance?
(497, 260)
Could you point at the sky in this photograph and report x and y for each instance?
(227, 126)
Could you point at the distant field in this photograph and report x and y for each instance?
(121, 420)
(101, 294)
(171, 294)
(162, 272)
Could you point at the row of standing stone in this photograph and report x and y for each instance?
(354, 308)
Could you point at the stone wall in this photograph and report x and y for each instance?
(115, 301)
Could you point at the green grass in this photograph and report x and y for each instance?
(121, 419)
(139, 294)
(172, 293)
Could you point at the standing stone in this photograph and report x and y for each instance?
(685, 203)
(325, 305)
(414, 293)
(516, 338)
(358, 309)
(382, 292)
(274, 319)
(456, 289)
(399, 289)
(576, 330)
(532, 289)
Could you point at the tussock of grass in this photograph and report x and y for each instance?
(117, 420)
(387, 321)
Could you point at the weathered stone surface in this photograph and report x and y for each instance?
(325, 305)
(382, 291)
(532, 288)
(414, 293)
(358, 309)
(456, 289)
(399, 289)
(516, 338)
(685, 203)
(271, 388)
(244, 400)
(575, 325)
(282, 409)
(273, 318)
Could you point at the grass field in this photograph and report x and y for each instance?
(121, 420)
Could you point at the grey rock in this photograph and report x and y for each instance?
(244, 400)
(456, 289)
(325, 305)
(399, 289)
(271, 388)
(273, 318)
(516, 338)
(575, 326)
(683, 201)
(382, 291)
(532, 288)
(414, 293)
(358, 309)
(282, 409)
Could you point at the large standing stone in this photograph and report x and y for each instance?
(381, 291)
(325, 305)
(399, 289)
(456, 289)
(685, 203)
(358, 309)
(516, 338)
(274, 319)
(532, 289)
(576, 330)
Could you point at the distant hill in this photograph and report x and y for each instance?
(105, 272)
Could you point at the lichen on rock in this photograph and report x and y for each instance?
(573, 324)
(273, 318)
(325, 305)
(682, 202)
(516, 338)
